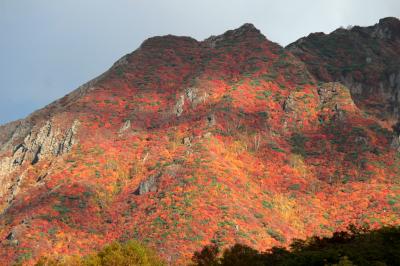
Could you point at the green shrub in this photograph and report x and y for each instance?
(298, 142)
(356, 247)
(267, 205)
(131, 253)
(294, 187)
(276, 235)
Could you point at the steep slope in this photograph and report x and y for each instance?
(184, 142)
(366, 59)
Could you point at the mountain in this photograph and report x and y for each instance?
(365, 59)
(182, 143)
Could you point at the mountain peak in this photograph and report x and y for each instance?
(387, 28)
(245, 29)
(246, 32)
(390, 21)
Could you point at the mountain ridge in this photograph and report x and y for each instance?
(183, 142)
(363, 58)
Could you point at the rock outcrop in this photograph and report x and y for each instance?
(178, 109)
(125, 127)
(365, 59)
(149, 185)
(46, 142)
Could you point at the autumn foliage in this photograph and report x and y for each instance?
(182, 143)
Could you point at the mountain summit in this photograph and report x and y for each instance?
(231, 139)
(363, 58)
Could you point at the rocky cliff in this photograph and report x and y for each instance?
(366, 59)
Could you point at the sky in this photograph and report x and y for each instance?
(50, 47)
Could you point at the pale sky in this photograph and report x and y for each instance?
(50, 47)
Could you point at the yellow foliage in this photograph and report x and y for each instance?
(297, 162)
(288, 210)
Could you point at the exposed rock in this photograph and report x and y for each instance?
(336, 98)
(36, 156)
(187, 141)
(191, 93)
(396, 138)
(289, 104)
(361, 140)
(327, 93)
(355, 87)
(19, 154)
(387, 29)
(7, 131)
(178, 109)
(10, 236)
(242, 32)
(69, 141)
(45, 142)
(339, 114)
(297, 103)
(396, 143)
(126, 126)
(50, 141)
(369, 64)
(120, 62)
(14, 188)
(15, 233)
(381, 33)
(212, 41)
(149, 185)
(13, 132)
(194, 96)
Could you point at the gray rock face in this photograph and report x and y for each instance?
(11, 238)
(371, 69)
(333, 96)
(149, 185)
(187, 141)
(12, 133)
(387, 29)
(69, 140)
(192, 96)
(46, 141)
(126, 126)
(195, 96)
(289, 104)
(396, 142)
(14, 189)
(327, 93)
(241, 32)
(339, 113)
(178, 109)
(191, 93)
(388, 91)
(212, 41)
(381, 33)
